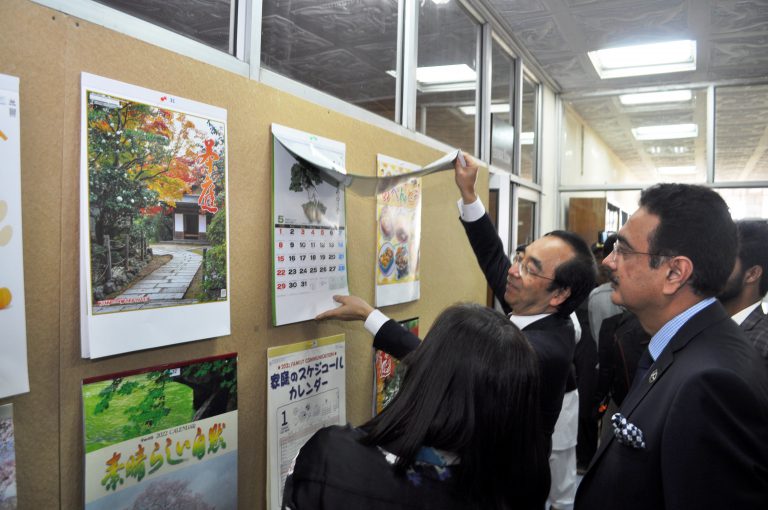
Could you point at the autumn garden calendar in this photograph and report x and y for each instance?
(309, 246)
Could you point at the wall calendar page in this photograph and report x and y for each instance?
(309, 239)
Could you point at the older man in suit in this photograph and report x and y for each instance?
(539, 288)
(748, 284)
(693, 430)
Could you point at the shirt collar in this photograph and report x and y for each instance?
(740, 317)
(523, 321)
(662, 337)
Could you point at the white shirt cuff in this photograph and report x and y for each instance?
(471, 212)
(375, 321)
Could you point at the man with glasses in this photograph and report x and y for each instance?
(539, 288)
(693, 430)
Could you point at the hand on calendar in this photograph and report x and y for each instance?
(465, 176)
(352, 308)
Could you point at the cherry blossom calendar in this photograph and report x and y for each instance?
(309, 248)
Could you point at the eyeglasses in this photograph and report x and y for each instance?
(620, 249)
(524, 267)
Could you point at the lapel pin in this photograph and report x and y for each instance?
(653, 376)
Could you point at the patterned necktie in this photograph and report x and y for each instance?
(643, 364)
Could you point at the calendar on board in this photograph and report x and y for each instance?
(309, 242)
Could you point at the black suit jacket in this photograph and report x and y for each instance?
(551, 337)
(622, 342)
(703, 411)
(755, 328)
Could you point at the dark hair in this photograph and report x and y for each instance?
(753, 248)
(578, 274)
(693, 222)
(471, 388)
(608, 246)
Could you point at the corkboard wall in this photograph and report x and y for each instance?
(48, 50)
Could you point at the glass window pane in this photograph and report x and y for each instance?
(526, 218)
(205, 21)
(668, 144)
(345, 49)
(447, 36)
(741, 124)
(502, 130)
(528, 138)
(746, 202)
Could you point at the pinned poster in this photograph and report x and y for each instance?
(8, 499)
(306, 391)
(162, 437)
(14, 375)
(309, 240)
(153, 219)
(387, 372)
(398, 235)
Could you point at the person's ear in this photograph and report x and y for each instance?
(679, 270)
(559, 296)
(753, 275)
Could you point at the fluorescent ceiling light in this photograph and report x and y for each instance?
(656, 58)
(677, 170)
(443, 78)
(495, 108)
(666, 132)
(667, 96)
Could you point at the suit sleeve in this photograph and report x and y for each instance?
(490, 255)
(715, 445)
(395, 340)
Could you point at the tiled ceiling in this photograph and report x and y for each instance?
(732, 47)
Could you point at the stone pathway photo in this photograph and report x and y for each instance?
(167, 283)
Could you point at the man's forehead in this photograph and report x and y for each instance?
(638, 228)
(550, 250)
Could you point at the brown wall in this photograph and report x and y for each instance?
(48, 50)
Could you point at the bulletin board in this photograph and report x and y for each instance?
(48, 51)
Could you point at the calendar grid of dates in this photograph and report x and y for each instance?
(309, 258)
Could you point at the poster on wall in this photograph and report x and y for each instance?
(306, 391)
(387, 373)
(398, 235)
(153, 219)
(7, 459)
(309, 240)
(162, 437)
(14, 376)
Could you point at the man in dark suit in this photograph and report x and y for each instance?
(544, 283)
(539, 288)
(746, 287)
(693, 430)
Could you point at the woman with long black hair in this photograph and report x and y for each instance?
(462, 433)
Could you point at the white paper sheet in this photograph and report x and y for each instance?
(306, 391)
(179, 174)
(309, 239)
(14, 376)
(398, 234)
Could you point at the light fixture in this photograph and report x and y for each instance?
(642, 59)
(443, 78)
(666, 96)
(495, 108)
(677, 170)
(666, 132)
